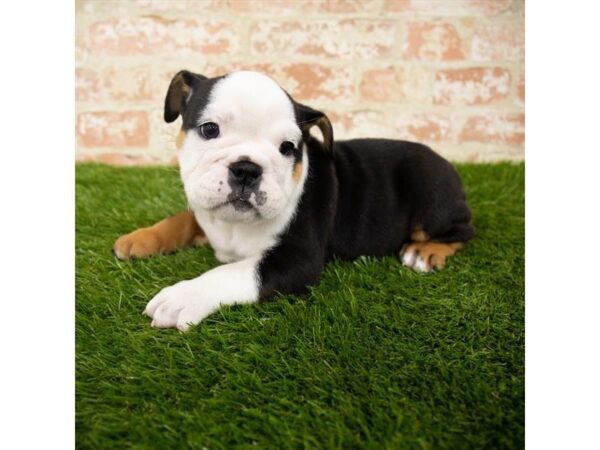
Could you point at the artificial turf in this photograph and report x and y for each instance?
(376, 356)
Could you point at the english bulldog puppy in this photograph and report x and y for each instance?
(276, 204)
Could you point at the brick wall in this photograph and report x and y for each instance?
(449, 73)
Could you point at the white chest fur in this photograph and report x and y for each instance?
(237, 241)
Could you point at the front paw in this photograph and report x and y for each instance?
(178, 306)
(138, 244)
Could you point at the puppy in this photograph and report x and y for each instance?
(276, 204)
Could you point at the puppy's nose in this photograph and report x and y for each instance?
(245, 173)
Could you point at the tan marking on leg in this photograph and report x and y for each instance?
(179, 140)
(418, 235)
(166, 236)
(434, 254)
(199, 240)
(297, 172)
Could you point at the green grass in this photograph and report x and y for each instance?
(375, 357)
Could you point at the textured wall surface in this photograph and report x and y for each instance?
(449, 73)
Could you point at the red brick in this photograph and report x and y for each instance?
(424, 127)
(187, 6)
(153, 35)
(473, 86)
(86, 85)
(340, 6)
(493, 127)
(383, 85)
(289, 7)
(397, 6)
(393, 84)
(278, 7)
(433, 41)
(163, 134)
(120, 159)
(213, 70)
(80, 47)
(304, 81)
(360, 123)
(309, 82)
(346, 39)
(448, 8)
(498, 43)
(137, 83)
(521, 88)
(112, 129)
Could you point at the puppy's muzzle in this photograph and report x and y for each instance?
(245, 174)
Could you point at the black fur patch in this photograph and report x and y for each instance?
(365, 198)
(198, 101)
(177, 103)
(307, 117)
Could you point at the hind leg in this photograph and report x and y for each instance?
(425, 254)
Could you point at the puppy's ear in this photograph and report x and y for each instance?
(180, 90)
(308, 117)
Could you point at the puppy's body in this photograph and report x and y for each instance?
(276, 204)
(366, 198)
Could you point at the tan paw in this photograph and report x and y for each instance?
(138, 244)
(427, 256)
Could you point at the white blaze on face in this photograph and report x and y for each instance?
(254, 116)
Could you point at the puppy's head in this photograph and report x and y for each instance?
(241, 147)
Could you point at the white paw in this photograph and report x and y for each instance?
(414, 261)
(180, 305)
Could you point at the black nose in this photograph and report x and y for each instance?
(245, 173)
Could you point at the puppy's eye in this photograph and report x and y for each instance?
(286, 148)
(209, 130)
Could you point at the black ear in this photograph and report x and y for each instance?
(308, 117)
(180, 90)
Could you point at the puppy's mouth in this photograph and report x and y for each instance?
(239, 204)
